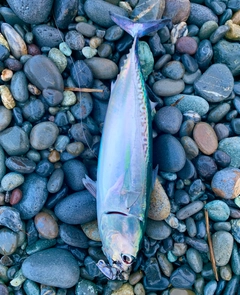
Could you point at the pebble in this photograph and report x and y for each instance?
(173, 70)
(183, 277)
(187, 103)
(74, 40)
(218, 210)
(226, 272)
(225, 183)
(189, 210)
(168, 119)
(15, 196)
(204, 54)
(91, 230)
(159, 207)
(86, 287)
(126, 289)
(172, 157)
(48, 36)
(87, 30)
(102, 68)
(205, 138)
(43, 135)
(53, 267)
(177, 11)
(14, 141)
(82, 74)
(58, 58)
(32, 13)
(226, 53)
(11, 180)
(17, 45)
(200, 14)
(158, 230)
(10, 218)
(222, 242)
(18, 87)
(5, 117)
(207, 29)
(8, 241)
(152, 14)
(3, 289)
(206, 166)
(98, 10)
(34, 191)
(231, 147)
(74, 171)
(64, 12)
(77, 208)
(219, 112)
(194, 260)
(46, 226)
(216, 84)
(73, 236)
(168, 87)
(210, 288)
(186, 45)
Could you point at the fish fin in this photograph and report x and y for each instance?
(131, 198)
(138, 29)
(153, 104)
(154, 176)
(90, 185)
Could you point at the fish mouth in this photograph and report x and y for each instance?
(113, 272)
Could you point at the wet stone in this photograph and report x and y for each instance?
(235, 223)
(189, 210)
(168, 119)
(91, 230)
(18, 86)
(219, 112)
(43, 135)
(46, 35)
(14, 141)
(235, 259)
(5, 117)
(58, 58)
(190, 147)
(173, 70)
(169, 153)
(159, 208)
(205, 137)
(34, 196)
(200, 14)
(88, 287)
(204, 54)
(97, 12)
(15, 196)
(222, 247)
(158, 230)
(226, 272)
(74, 40)
(188, 103)
(82, 74)
(218, 210)
(221, 131)
(220, 32)
(205, 166)
(207, 29)
(54, 267)
(77, 208)
(186, 45)
(8, 241)
(194, 260)
(191, 67)
(113, 33)
(215, 84)
(225, 183)
(168, 87)
(177, 11)
(64, 12)
(210, 287)
(32, 13)
(74, 171)
(46, 225)
(33, 110)
(73, 236)
(11, 180)
(83, 108)
(183, 277)
(102, 68)
(86, 29)
(3, 289)
(104, 50)
(44, 168)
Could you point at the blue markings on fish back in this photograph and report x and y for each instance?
(138, 29)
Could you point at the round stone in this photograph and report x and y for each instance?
(168, 153)
(168, 87)
(46, 35)
(183, 277)
(158, 230)
(226, 183)
(81, 74)
(190, 147)
(205, 166)
(86, 29)
(207, 29)
(231, 146)
(74, 40)
(77, 208)
(86, 287)
(46, 225)
(205, 137)
(16, 196)
(222, 242)
(74, 172)
(218, 210)
(73, 236)
(8, 241)
(58, 58)
(200, 14)
(102, 68)
(177, 11)
(186, 45)
(173, 70)
(168, 119)
(194, 259)
(5, 117)
(52, 267)
(43, 135)
(91, 230)
(11, 180)
(159, 208)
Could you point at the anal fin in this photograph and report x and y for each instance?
(90, 185)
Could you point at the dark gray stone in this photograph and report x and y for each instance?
(34, 191)
(200, 14)
(168, 119)
(183, 277)
(53, 267)
(81, 74)
(18, 86)
(158, 230)
(77, 208)
(31, 12)
(73, 236)
(64, 12)
(45, 35)
(20, 164)
(33, 110)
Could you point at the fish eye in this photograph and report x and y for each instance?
(128, 259)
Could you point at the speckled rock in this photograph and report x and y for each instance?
(73, 236)
(218, 210)
(126, 289)
(159, 208)
(46, 35)
(11, 180)
(8, 241)
(200, 14)
(91, 230)
(226, 183)
(46, 225)
(102, 68)
(231, 146)
(31, 12)
(74, 172)
(53, 267)
(34, 190)
(222, 247)
(77, 208)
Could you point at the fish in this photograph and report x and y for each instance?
(125, 174)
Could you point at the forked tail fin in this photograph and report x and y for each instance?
(138, 29)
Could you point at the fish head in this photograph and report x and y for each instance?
(121, 236)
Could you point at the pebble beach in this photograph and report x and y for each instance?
(50, 133)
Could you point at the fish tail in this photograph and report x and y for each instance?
(138, 29)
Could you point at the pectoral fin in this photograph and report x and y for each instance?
(90, 185)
